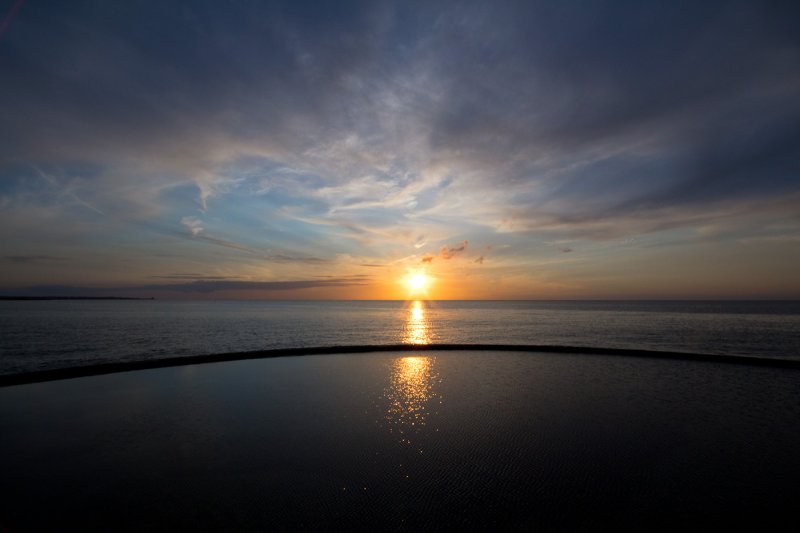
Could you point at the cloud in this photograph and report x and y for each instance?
(204, 286)
(208, 286)
(301, 133)
(55, 290)
(450, 252)
(228, 244)
(586, 113)
(33, 259)
(193, 276)
(446, 252)
(194, 224)
(267, 255)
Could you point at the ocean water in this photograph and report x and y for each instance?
(479, 440)
(39, 335)
(486, 439)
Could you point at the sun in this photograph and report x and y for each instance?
(417, 283)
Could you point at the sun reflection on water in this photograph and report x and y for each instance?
(417, 328)
(410, 396)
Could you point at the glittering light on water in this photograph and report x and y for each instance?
(417, 326)
(409, 395)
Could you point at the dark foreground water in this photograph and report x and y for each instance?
(38, 335)
(435, 440)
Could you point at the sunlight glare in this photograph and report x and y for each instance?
(411, 397)
(416, 326)
(417, 283)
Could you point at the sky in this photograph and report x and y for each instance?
(505, 150)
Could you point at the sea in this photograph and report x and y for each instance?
(474, 439)
(49, 334)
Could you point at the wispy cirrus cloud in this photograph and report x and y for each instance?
(278, 133)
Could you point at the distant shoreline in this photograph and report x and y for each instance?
(6, 298)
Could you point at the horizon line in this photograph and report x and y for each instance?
(588, 299)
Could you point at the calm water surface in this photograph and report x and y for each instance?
(36, 335)
(435, 440)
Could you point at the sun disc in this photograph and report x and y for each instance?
(418, 282)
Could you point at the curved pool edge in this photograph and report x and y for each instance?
(127, 366)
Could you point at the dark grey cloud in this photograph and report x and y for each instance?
(193, 276)
(33, 259)
(581, 112)
(142, 72)
(57, 291)
(204, 286)
(209, 286)
(659, 105)
(346, 277)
